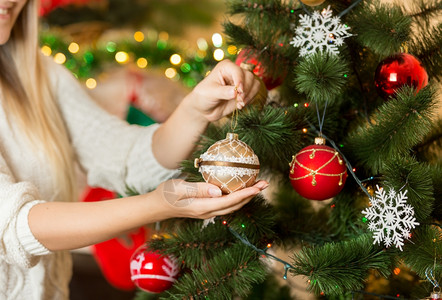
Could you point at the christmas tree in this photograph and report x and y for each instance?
(349, 126)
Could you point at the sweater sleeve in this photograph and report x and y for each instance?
(18, 244)
(114, 154)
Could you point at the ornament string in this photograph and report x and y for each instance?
(234, 120)
(347, 163)
(245, 241)
(347, 10)
(321, 120)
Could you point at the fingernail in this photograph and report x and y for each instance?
(214, 192)
(233, 92)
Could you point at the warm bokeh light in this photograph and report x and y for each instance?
(122, 57)
(91, 83)
(218, 54)
(217, 40)
(170, 73)
(163, 36)
(232, 50)
(142, 63)
(46, 50)
(202, 44)
(60, 58)
(139, 36)
(175, 59)
(74, 47)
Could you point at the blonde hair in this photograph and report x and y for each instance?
(29, 101)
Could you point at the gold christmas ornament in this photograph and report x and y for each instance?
(312, 2)
(260, 98)
(229, 164)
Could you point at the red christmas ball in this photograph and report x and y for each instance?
(250, 56)
(399, 70)
(317, 172)
(151, 271)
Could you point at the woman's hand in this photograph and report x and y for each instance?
(226, 87)
(201, 200)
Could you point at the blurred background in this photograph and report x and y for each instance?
(137, 59)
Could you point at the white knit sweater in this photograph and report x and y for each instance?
(114, 155)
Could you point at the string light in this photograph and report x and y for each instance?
(306, 104)
(111, 47)
(304, 130)
(202, 44)
(185, 68)
(170, 73)
(218, 54)
(91, 83)
(217, 40)
(60, 58)
(232, 50)
(122, 57)
(74, 47)
(175, 59)
(142, 63)
(139, 36)
(46, 50)
(396, 271)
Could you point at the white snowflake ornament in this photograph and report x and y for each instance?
(320, 32)
(391, 218)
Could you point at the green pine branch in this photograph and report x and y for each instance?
(230, 273)
(398, 126)
(407, 173)
(321, 77)
(336, 268)
(424, 254)
(380, 27)
(274, 134)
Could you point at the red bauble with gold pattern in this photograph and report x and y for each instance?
(151, 271)
(399, 70)
(318, 172)
(249, 56)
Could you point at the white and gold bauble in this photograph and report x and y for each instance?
(229, 164)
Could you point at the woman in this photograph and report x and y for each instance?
(48, 124)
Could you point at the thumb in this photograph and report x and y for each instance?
(180, 189)
(225, 92)
(208, 190)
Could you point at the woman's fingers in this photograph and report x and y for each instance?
(229, 203)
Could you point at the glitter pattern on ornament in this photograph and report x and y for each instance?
(229, 164)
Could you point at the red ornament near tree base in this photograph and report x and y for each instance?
(151, 271)
(249, 56)
(317, 172)
(399, 70)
